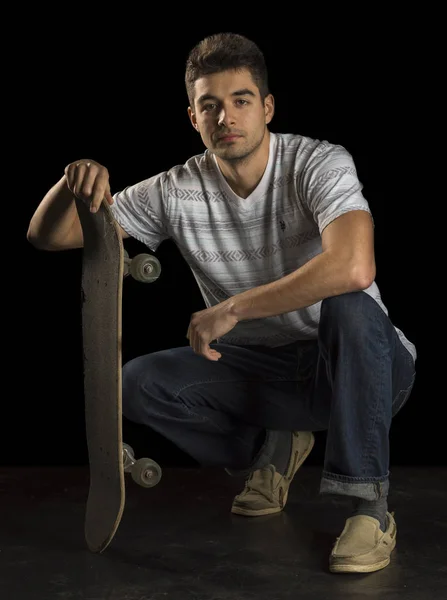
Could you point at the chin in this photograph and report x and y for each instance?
(232, 153)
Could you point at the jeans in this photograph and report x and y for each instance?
(350, 382)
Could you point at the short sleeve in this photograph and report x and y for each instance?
(330, 185)
(141, 212)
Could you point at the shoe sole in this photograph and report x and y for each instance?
(245, 512)
(362, 568)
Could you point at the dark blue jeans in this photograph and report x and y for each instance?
(350, 382)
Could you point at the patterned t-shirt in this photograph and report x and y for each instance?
(234, 244)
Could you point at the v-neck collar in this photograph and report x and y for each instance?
(260, 189)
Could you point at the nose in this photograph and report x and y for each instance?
(226, 118)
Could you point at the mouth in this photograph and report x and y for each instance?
(229, 138)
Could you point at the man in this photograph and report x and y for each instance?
(280, 241)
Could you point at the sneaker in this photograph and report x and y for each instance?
(362, 546)
(266, 491)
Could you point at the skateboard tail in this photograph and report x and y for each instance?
(94, 536)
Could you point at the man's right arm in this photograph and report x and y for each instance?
(55, 224)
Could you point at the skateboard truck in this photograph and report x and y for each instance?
(144, 471)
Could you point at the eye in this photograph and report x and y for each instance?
(208, 107)
(241, 100)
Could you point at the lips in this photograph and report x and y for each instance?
(229, 137)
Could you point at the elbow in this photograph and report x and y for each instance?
(30, 238)
(35, 241)
(363, 276)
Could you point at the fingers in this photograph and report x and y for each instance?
(213, 354)
(70, 174)
(89, 181)
(203, 349)
(97, 183)
(108, 194)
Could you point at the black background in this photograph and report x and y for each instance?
(111, 88)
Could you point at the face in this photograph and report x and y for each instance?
(229, 114)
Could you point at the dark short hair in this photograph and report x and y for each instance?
(223, 52)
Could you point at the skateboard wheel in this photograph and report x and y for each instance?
(145, 268)
(146, 472)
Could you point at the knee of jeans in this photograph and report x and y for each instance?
(402, 397)
(350, 309)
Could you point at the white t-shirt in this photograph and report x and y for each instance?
(234, 244)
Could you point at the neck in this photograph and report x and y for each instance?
(244, 175)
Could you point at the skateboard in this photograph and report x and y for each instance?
(105, 263)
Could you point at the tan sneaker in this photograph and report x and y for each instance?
(362, 546)
(266, 491)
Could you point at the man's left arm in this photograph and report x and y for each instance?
(346, 264)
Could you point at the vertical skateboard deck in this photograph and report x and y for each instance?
(103, 270)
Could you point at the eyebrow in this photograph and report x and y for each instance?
(243, 92)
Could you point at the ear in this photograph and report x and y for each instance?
(192, 118)
(269, 108)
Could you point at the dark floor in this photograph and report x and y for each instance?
(178, 541)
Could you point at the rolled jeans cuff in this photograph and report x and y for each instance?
(369, 488)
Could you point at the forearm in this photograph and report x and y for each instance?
(54, 217)
(323, 276)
